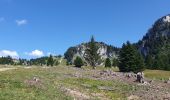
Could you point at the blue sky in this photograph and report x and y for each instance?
(30, 28)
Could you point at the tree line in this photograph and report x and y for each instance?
(48, 61)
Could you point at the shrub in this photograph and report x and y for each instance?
(78, 62)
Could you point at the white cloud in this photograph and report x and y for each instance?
(2, 19)
(13, 54)
(21, 22)
(35, 53)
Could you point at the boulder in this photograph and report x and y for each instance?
(140, 77)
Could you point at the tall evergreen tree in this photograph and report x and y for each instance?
(92, 56)
(50, 61)
(158, 62)
(115, 62)
(130, 59)
(140, 65)
(149, 61)
(108, 63)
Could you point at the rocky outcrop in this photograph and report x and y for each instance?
(104, 52)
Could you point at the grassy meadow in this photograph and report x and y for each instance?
(64, 83)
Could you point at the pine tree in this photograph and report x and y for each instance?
(91, 54)
(108, 63)
(130, 59)
(126, 58)
(115, 62)
(140, 65)
(157, 62)
(78, 62)
(165, 60)
(50, 61)
(149, 61)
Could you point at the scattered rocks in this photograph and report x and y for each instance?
(34, 82)
(142, 88)
(108, 73)
(78, 75)
(151, 81)
(130, 75)
(167, 81)
(166, 96)
(144, 83)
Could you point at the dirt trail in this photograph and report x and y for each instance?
(5, 69)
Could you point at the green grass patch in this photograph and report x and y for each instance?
(13, 86)
(116, 90)
(157, 74)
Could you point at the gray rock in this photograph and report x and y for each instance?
(168, 81)
(140, 77)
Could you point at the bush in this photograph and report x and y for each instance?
(56, 63)
(50, 61)
(108, 63)
(78, 62)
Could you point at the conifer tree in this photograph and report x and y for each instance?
(115, 62)
(149, 61)
(91, 54)
(50, 61)
(140, 65)
(130, 59)
(158, 62)
(108, 63)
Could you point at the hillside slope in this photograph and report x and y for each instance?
(155, 45)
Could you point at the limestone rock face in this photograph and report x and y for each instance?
(104, 52)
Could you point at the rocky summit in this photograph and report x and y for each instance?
(105, 51)
(155, 45)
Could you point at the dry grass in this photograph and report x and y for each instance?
(157, 74)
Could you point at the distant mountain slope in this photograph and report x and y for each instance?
(156, 43)
(157, 39)
(104, 51)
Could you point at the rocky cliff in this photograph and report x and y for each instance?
(104, 51)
